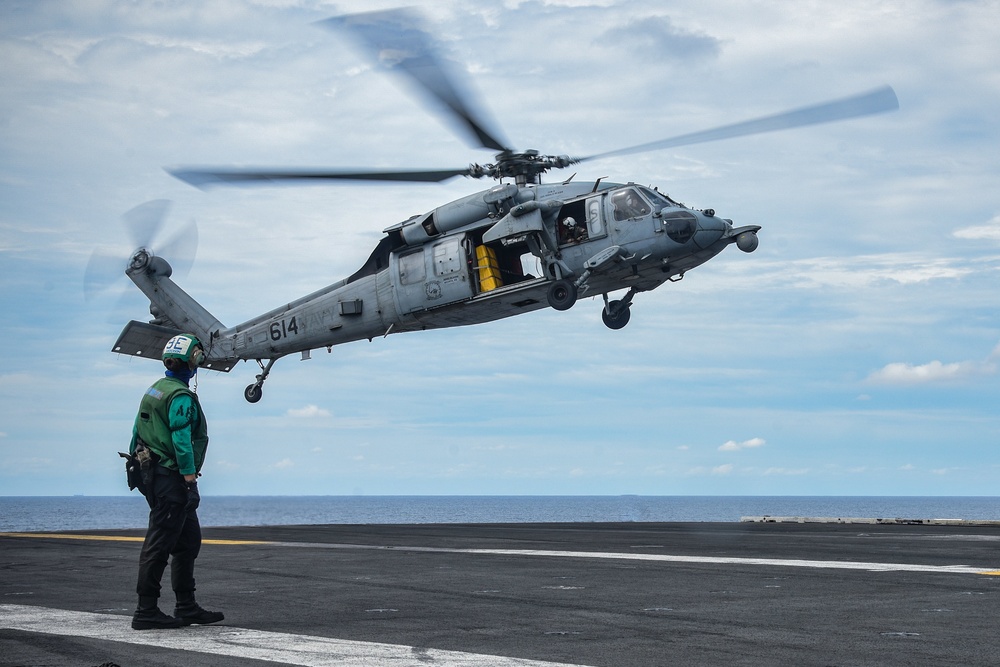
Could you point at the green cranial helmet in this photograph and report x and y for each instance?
(185, 347)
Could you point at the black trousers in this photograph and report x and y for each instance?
(172, 532)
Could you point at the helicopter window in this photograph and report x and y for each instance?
(411, 267)
(628, 204)
(680, 225)
(447, 258)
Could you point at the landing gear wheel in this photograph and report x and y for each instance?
(620, 317)
(562, 295)
(253, 393)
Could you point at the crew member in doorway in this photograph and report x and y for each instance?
(572, 231)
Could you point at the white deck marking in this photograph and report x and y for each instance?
(730, 560)
(285, 648)
(990, 570)
(667, 558)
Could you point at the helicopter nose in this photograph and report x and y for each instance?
(710, 228)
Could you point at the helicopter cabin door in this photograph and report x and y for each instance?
(432, 275)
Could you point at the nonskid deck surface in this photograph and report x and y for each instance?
(521, 594)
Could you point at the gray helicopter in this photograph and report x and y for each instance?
(519, 246)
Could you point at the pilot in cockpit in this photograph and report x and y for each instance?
(628, 204)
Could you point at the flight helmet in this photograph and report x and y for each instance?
(185, 347)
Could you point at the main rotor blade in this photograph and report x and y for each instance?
(877, 101)
(396, 41)
(204, 178)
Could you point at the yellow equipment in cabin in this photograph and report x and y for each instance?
(489, 269)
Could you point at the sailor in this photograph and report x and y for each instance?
(171, 435)
(572, 232)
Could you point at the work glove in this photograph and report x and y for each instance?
(193, 497)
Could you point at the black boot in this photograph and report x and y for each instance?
(190, 612)
(148, 616)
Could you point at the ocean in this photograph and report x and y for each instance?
(40, 513)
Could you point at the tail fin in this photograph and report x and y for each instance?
(139, 339)
(176, 309)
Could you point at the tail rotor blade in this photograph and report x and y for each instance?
(145, 221)
(142, 223)
(103, 270)
(180, 249)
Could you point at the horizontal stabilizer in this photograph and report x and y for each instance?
(139, 339)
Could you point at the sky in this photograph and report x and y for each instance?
(856, 352)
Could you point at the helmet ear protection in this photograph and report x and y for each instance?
(197, 357)
(185, 347)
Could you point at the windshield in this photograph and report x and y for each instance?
(658, 198)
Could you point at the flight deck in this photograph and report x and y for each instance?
(595, 594)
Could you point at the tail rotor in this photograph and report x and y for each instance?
(143, 225)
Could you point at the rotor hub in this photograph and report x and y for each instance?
(524, 167)
(140, 260)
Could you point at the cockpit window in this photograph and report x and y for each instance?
(627, 203)
(658, 198)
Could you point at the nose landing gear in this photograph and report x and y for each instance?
(616, 313)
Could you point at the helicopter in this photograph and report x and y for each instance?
(516, 247)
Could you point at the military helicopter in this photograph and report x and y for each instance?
(516, 247)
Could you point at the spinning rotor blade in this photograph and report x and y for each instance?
(143, 224)
(877, 101)
(145, 221)
(204, 178)
(180, 249)
(396, 40)
(103, 270)
(107, 265)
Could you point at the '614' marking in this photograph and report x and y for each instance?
(281, 329)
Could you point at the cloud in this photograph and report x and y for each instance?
(283, 464)
(733, 446)
(901, 373)
(308, 412)
(787, 471)
(990, 231)
(658, 34)
(869, 270)
(724, 469)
